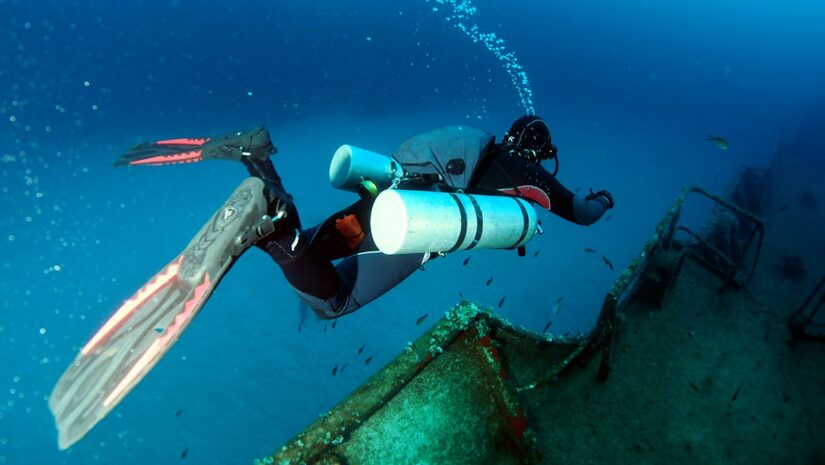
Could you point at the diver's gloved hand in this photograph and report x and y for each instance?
(602, 196)
(254, 143)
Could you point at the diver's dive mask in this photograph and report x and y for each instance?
(529, 137)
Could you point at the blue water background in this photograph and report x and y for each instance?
(631, 89)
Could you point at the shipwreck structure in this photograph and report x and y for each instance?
(703, 353)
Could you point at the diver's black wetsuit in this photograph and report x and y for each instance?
(364, 274)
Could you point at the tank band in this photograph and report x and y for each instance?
(479, 222)
(526, 226)
(463, 214)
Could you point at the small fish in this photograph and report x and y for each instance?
(303, 312)
(421, 319)
(461, 294)
(361, 349)
(179, 413)
(608, 218)
(466, 261)
(501, 302)
(325, 327)
(489, 281)
(343, 367)
(607, 262)
(368, 360)
(334, 370)
(589, 250)
(184, 453)
(536, 253)
(783, 208)
(718, 141)
(159, 330)
(694, 387)
(736, 394)
(578, 189)
(547, 326)
(557, 306)
(334, 322)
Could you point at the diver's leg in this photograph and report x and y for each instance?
(364, 274)
(308, 272)
(342, 233)
(364, 277)
(305, 269)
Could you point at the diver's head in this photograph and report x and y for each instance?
(529, 137)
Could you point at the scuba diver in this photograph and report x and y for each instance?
(261, 213)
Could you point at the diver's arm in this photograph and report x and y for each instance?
(514, 175)
(580, 210)
(587, 210)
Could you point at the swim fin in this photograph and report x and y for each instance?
(164, 152)
(143, 329)
(253, 143)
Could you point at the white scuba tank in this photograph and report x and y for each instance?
(352, 165)
(406, 221)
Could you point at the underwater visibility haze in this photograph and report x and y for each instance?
(642, 98)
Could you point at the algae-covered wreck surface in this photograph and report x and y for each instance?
(447, 396)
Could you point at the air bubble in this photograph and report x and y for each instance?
(463, 10)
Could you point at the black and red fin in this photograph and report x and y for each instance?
(164, 152)
(148, 324)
